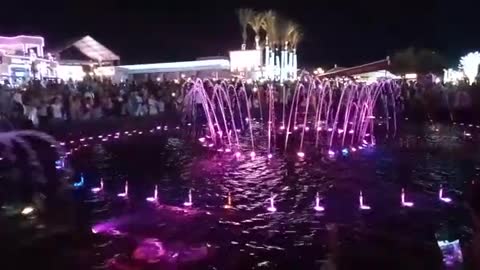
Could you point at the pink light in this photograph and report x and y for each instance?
(350, 131)
(220, 149)
(238, 155)
(301, 154)
(62, 143)
(228, 150)
(317, 206)
(360, 147)
(90, 138)
(354, 149)
(340, 131)
(272, 207)
(155, 195)
(189, 202)
(72, 141)
(82, 139)
(269, 156)
(98, 189)
(159, 127)
(125, 192)
(329, 129)
(252, 155)
(331, 153)
(282, 127)
(229, 202)
(307, 128)
(405, 203)
(319, 129)
(443, 199)
(100, 136)
(210, 145)
(362, 205)
(202, 140)
(295, 128)
(177, 127)
(220, 133)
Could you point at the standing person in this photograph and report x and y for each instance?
(42, 113)
(152, 105)
(57, 109)
(75, 108)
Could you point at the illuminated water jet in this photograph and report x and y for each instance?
(229, 202)
(189, 202)
(405, 203)
(98, 189)
(362, 206)
(443, 199)
(154, 199)
(317, 206)
(272, 207)
(124, 194)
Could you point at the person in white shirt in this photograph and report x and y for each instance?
(152, 105)
(57, 109)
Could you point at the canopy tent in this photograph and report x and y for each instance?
(93, 50)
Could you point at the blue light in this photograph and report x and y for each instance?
(80, 184)
(345, 151)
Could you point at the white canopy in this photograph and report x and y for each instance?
(94, 50)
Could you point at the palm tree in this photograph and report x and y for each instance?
(296, 37)
(244, 17)
(269, 24)
(257, 23)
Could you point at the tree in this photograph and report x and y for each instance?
(422, 61)
(244, 17)
(404, 61)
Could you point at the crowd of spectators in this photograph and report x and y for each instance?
(43, 103)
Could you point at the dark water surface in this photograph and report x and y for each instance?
(135, 234)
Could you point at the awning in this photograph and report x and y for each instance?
(94, 50)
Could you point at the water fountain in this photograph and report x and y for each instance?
(405, 203)
(229, 202)
(272, 207)
(443, 199)
(362, 206)
(189, 202)
(341, 113)
(80, 183)
(317, 206)
(154, 199)
(124, 194)
(98, 189)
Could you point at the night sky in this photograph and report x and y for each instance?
(335, 32)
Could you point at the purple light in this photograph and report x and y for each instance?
(301, 154)
(307, 128)
(329, 129)
(98, 189)
(155, 195)
(443, 199)
(272, 207)
(252, 155)
(340, 131)
(228, 150)
(295, 128)
(210, 145)
(317, 206)
(350, 131)
(405, 203)
(269, 156)
(124, 194)
(362, 205)
(331, 153)
(202, 140)
(354, 149)
(238, 155)
(189, 202)
(282, 127)
(82, 139)
(319, 129)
